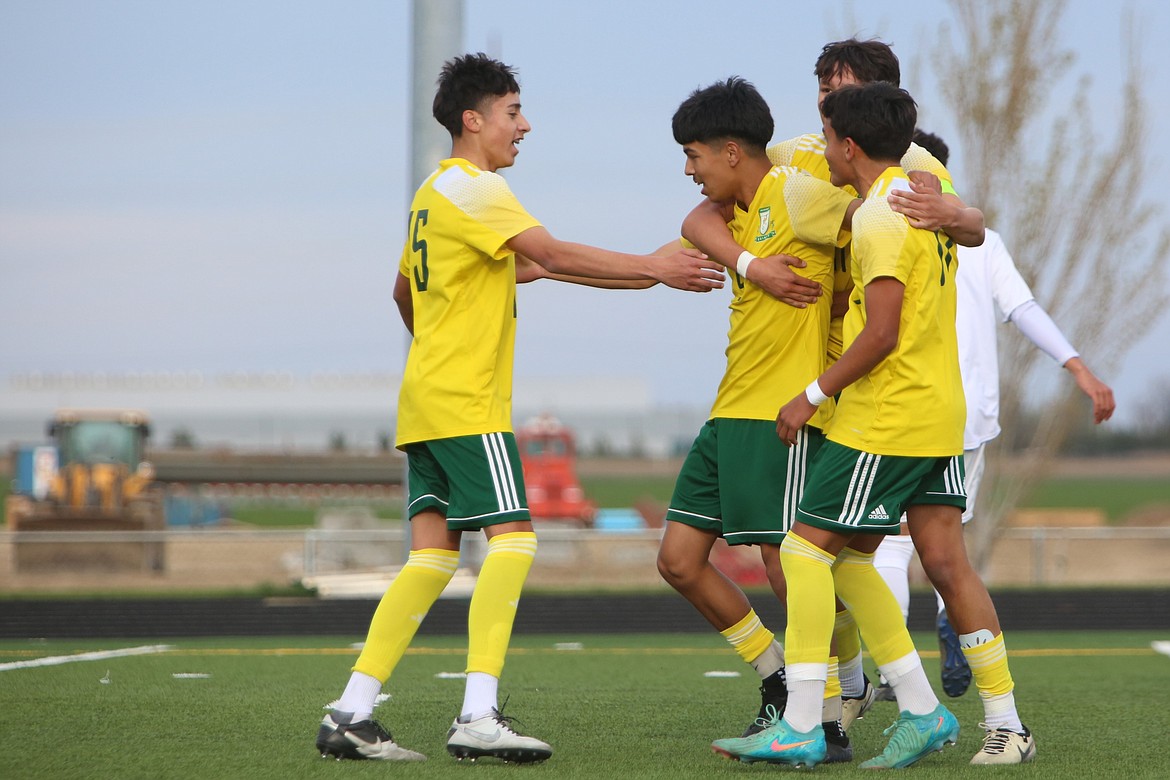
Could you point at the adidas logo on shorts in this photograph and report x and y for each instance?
(879, 513)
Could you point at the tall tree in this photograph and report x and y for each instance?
(1069, 204)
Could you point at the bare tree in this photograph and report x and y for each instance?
(1090, 244)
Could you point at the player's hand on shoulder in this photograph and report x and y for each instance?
(924, 181)
(923, 204)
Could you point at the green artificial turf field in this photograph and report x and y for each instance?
(612, 706)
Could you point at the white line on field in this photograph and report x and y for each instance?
(55, 660)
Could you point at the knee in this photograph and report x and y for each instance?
(944, 568)
(675, 569)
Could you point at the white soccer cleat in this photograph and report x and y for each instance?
(366, 739)
(492, 736)
(854, 709)
(1004, 746)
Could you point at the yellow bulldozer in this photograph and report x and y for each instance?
(100, 481)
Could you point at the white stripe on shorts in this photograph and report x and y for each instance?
(501, 469)
(794, 477)
(954, 480)
(860, 485)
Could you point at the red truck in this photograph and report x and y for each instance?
(549, 457)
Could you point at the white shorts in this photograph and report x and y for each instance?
(973, 462)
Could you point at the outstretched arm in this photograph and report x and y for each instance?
(528, 271)
(684, 270)
(1035, 323)
(706, 228)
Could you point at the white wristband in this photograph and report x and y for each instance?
(814, 394)
(741, 265)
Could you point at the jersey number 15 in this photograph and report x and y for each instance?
(422, 274)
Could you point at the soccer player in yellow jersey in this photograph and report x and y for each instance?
(895, 441)
(739, 482)
(456, 293)
(841, 63)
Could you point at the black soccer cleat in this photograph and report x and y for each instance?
(773, 700)
(837, 747)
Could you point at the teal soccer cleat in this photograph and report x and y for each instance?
(916, 736)
(777, 744)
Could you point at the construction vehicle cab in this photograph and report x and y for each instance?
(101, 461)
(101, 482)
(549, 457)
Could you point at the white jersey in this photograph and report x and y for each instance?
(989, 289)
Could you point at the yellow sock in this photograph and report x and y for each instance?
(493, 604)
(833, 682)
(749, 637)
(807, 568)
(402, 609)
(873, 606)
(989, 667)
(831, 706)
(845, 636)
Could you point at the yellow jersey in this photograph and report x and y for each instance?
(911, 403)
(807, 152)
(773, 349)
(458, 376)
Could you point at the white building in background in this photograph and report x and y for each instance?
(275, 411)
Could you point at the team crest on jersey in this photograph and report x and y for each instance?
(765, 225)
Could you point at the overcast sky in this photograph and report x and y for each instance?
(222, 185)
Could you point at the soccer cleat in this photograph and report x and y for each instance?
(366, 739)
(1004, 746)
(884, 692)
(492, 736)
(777, 744)
(773, 700)
(956, 672)
(854, 708)
(837, 747)
(916, 736)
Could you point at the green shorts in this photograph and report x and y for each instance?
(741, 482)
(473, 481)
(850, 491)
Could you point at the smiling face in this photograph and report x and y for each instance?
(708, 166)
(501, 127)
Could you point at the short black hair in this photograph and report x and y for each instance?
(879, 117)
(933, 144)
(868, 61)
(466, 82)
(731, 109)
